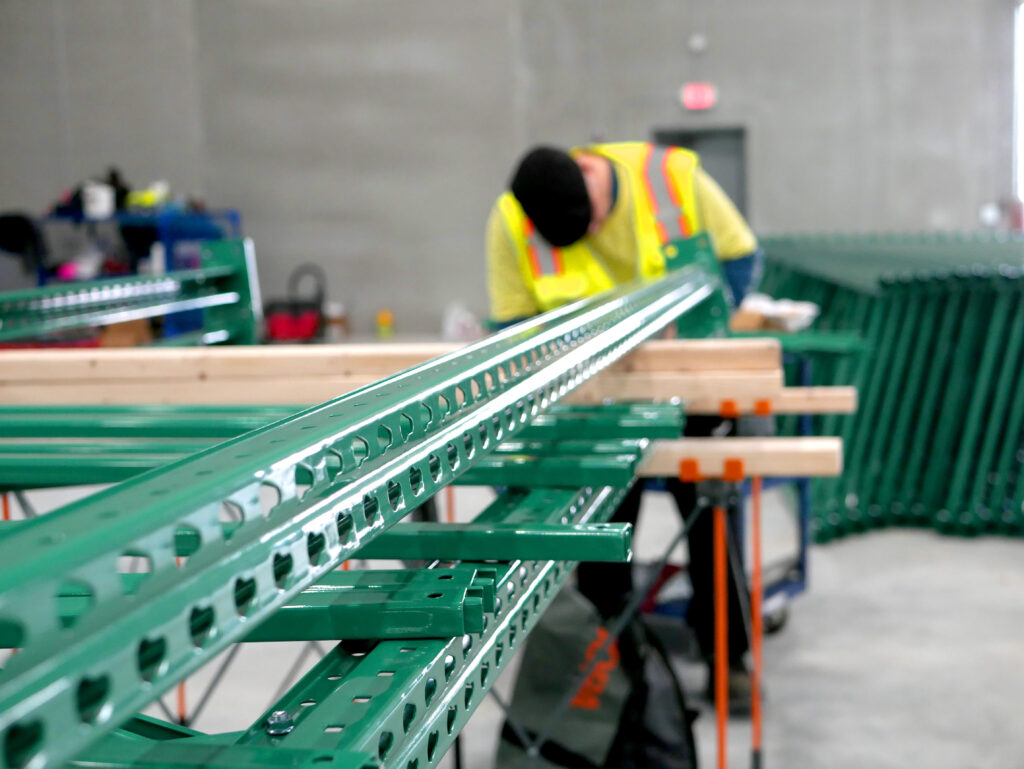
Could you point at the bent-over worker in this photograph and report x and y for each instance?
(576, 223)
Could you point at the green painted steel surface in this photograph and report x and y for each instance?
(503, 542)
(153, 441)
(371, 456)
(568, 464)
(640, 420)
(137, 421)
(43, 470)
(395, 702)
(346, 605)
(121, 752)
(405, 701)
(939, 436)
(225, 288)
(380, 604)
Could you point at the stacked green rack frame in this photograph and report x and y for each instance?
(939, 436)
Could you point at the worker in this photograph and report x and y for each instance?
(578, 222)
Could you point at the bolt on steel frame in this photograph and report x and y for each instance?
(340, 475)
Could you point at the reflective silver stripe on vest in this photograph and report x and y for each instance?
(545, 257)
(668, 214)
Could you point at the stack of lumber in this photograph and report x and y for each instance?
(707, 375)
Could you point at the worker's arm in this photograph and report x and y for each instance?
(510, 299)
(730, 234)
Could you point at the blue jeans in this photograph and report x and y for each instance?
(742, 275)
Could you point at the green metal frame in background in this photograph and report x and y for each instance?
(938, 439)
(225, 288)
(274, 512)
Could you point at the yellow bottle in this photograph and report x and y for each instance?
(385, 323)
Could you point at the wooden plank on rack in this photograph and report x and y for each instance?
(788, 400)
(293, 390)
(766, 457)
(706, 387)
(376, 360)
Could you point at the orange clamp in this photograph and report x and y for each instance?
(763, 407)
(732, 470)
(729, 409)
(689, 471)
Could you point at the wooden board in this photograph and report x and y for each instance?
(312, 390)
(272, 361)
(765, 457)
(706, 387)
(816, 400)
(788, 400)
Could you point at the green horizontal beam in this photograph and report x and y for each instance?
(347, 605)
(40, 450)
(503, 542)
(564, 472)
(535, 463)
(440, 603)
(149, 422)
(121, 751)
(600, 423)
(196, 422)
(55, 470)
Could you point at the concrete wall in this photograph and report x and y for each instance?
(373, 136)
(87, 84)
(879, 114)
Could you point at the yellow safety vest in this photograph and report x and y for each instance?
(664, 209)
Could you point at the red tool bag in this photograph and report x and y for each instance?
(298, 319)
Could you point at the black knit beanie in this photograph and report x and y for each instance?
(549, 186)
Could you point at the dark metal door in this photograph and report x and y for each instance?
(722, 153)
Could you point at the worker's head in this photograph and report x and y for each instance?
(564, 196)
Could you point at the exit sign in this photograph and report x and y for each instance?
(698, 96)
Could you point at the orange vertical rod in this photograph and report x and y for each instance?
(449, 503)
(182, 707)
(756, 625)
(721, 594)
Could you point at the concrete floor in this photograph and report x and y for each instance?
(908, 650)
